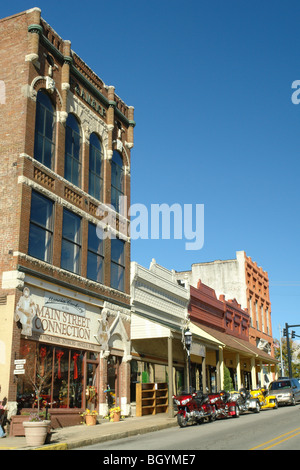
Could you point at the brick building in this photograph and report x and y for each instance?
(65, 145)
(229, 324)
(241, 280)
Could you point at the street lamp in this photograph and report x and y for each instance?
(188, 343)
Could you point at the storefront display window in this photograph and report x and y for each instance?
(196, 371)
(58, 372)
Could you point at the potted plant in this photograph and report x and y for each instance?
(115, 414)
(90, 417)
(36, 430)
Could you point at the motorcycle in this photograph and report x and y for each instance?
(193, 408)
(224, 404)
(245, 401)
(266, 400)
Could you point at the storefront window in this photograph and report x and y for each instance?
(196, 372)
(58, 372)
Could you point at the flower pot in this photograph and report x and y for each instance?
(116, 416)
(90, 420)
(36, 432)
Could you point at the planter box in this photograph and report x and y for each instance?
(61, 417)
(16, 425)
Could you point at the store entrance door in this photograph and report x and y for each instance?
(113, 378)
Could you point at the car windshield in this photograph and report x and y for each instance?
(280, 385)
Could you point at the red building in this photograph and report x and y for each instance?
(229, 324)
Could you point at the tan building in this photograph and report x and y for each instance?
(65, 146)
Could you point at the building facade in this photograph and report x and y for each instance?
(243, 280)
(65, 148)
(160, 317)
(229, 324)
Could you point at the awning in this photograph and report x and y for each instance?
(238, 345)
(201, 334)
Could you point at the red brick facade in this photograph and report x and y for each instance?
(33, 57)
(224, 316)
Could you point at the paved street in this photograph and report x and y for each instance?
(270, 429)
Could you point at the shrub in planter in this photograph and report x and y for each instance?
(90, 417)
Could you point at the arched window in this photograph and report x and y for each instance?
(117, 180)
(73, 150)
(95, 168)
(44, 143)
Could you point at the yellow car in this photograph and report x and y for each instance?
(265, 400)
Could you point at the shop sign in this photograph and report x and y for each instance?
(43, 316)
(19, 366)
(198, 349)
(65, 305)
(19, 371)
(20, 362)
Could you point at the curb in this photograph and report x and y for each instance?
(108, 437)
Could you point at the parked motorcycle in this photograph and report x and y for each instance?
(266, 400)
(245, 401)
(224, 404)
(193, 408)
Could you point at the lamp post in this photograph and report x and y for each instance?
(188, 343)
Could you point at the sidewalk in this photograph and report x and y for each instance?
(77, 436)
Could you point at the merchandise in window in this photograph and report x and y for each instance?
(72, 151)
(41, 227)
(71, 242)
(95, 255)
(95, 168)
(117, 264)
(55, 373)
(44, 143)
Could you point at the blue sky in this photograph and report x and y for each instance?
(211, 86)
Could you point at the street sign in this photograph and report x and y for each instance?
(20, 361)
(19, 371)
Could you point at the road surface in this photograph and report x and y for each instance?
(268, 430)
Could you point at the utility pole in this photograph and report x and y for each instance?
(281, 361)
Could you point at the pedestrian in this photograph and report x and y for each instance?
(2, 433)
(2, 417)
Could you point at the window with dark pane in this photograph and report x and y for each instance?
(117, 269)
(44, 143)
(41, 227)
(71, 242)
(73, 151)
(95, 260)
(95, 168)
(117, 180)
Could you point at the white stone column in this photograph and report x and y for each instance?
(238, 371)
(170, 374)
(253, 373)
(221, 362)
